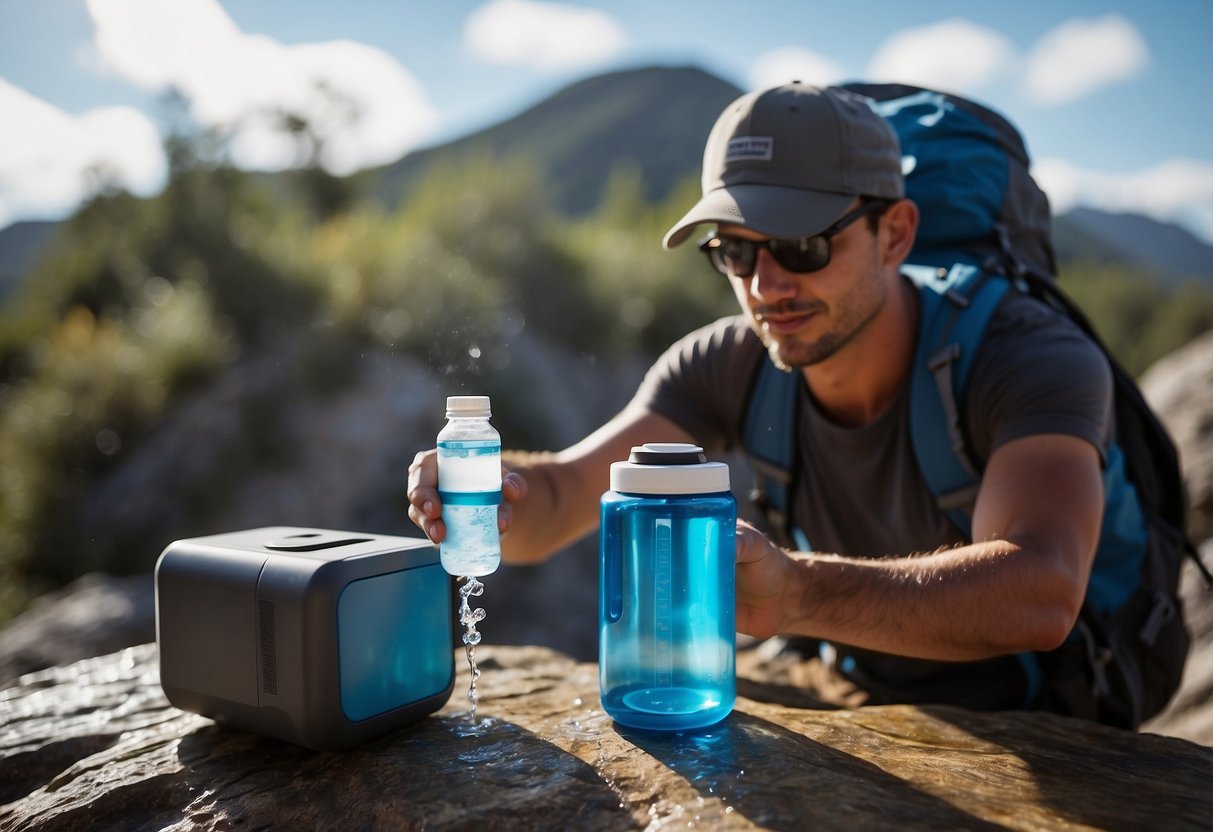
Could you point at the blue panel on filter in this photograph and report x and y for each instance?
(395, 640)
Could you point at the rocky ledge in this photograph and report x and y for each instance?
(95, 745)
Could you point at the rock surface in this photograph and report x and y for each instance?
(96, 746)
(92, 616)
(1190, 712)
(1180, 389)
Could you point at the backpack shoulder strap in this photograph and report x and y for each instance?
(955, 307)
(769, 439)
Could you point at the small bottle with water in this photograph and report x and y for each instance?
(469, 484)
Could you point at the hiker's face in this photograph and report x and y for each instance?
(805, 318)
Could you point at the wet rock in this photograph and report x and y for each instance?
(94, 615)
(95, 746)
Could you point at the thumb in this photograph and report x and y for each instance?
(752, 544)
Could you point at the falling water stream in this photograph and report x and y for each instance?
(469, 618)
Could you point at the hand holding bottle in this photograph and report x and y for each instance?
(425, 504)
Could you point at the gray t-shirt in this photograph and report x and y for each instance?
(858, 490)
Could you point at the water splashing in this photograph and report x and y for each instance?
(469, 618)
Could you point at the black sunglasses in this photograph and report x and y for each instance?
(738, 257)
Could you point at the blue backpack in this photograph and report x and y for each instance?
(985, 230)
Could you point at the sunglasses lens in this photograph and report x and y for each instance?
(808, 254)
(738, 256)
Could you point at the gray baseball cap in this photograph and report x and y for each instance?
(788, 161)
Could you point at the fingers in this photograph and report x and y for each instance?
(513, 489)
(762, 580)
(425, 508)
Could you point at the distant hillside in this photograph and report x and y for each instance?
(1170, 252)
(20, 245)
(654, 118)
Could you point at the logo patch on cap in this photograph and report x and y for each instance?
(750, 147)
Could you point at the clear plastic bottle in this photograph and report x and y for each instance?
(469, 484)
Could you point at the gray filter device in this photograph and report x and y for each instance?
(317, 637)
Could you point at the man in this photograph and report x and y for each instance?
(805, 190)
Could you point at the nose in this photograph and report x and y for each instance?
(771, 281)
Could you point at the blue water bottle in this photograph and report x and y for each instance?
(666, 656)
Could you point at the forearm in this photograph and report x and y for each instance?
(551, 516)
(966, 603)
(564, 489)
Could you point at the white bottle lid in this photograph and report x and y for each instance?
(468, 406)
(669, 468)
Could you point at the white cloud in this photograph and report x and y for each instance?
(50, 160)
(544, 36)
(366, 107)
(956, 55)
(1081, 56)
(1178, 190)
(792, 63)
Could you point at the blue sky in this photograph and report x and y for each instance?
(1115, 99)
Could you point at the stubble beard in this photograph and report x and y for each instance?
(856, 312)
(814, 352)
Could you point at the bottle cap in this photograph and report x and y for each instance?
(669, 468)
(467, 406)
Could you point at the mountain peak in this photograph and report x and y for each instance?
(1171, 252)
(656, 118)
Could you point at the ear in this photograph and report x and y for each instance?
(898, 227)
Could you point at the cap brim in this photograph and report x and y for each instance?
(770, 210)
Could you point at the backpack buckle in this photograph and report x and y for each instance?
(1098, 657)
(1161, 613)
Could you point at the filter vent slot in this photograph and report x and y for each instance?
(269, 648)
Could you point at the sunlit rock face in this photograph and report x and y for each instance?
(95, 745)
(1180, 389)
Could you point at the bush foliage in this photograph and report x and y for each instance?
(1139, 320)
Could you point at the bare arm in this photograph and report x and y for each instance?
(551, 498)
(1019, 587)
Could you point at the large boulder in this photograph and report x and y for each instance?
(1180, 389)
(96, 746)
(1190, 712)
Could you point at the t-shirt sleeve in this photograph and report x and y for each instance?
(702, 380)
(1037, 372)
